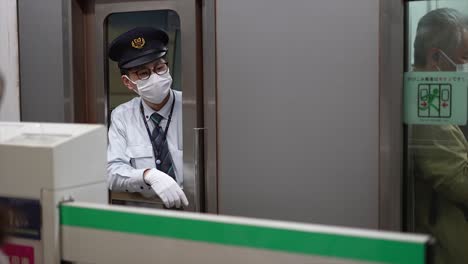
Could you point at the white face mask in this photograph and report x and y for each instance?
(458, 67)
(155, 88)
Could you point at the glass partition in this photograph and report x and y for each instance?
(436, 144)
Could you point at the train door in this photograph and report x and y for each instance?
(181, 20)
(86, 86)
(435, 114)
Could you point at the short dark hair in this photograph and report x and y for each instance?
(441, 28)
(123, 72)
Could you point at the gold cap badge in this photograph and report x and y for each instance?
(138, 43)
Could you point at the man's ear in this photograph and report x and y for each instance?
(131, 86)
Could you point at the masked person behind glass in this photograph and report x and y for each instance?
(439, 154)
(144, 155)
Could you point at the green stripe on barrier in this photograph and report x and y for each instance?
(276, 239)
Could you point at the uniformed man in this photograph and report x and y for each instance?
(145, 148)
(439, 153)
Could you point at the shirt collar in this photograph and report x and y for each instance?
(164, 112)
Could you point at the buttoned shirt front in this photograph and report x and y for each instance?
(130, 151)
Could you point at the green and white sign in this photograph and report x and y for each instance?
(435, 98)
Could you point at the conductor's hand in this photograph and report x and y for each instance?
(166, 188)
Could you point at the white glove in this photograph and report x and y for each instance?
(166, 188)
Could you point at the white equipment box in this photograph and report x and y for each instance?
(40, 166)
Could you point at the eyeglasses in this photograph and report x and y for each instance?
(159, 68)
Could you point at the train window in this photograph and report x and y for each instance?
(157, 141)
(119, 23)
(436, 146)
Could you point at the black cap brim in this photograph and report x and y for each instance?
(143, 60)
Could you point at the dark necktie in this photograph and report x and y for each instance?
(163, 159)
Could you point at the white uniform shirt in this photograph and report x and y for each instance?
(130, 152)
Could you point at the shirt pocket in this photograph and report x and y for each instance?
(141, 156)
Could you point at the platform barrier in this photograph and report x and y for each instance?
(94, 233)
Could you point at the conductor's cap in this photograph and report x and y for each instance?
(138, 46)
